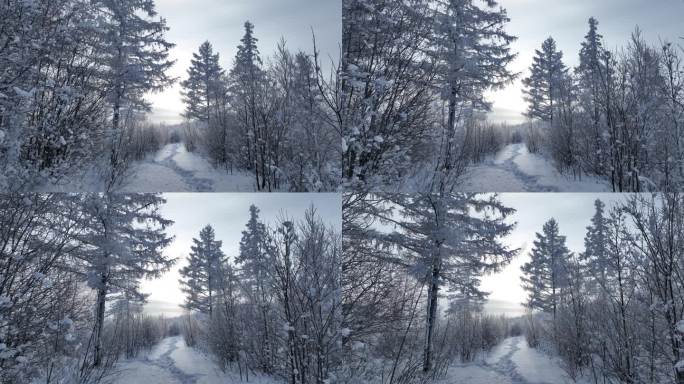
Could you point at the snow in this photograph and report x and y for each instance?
(680, 326)
(174, 169)
(510, 362)
(172, 362)
(679, 367)
(474, 374)
(515, 169)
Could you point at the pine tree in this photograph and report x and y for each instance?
(591, 73)
(135, 57)
(545, 276)
(544, 86)
(202, 277)
(247, 80)
(473, 50)
(596, 248)
(452, 240)
(204, 85)
(254, 262)
(122, 242)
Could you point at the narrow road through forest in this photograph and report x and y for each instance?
(515, 169)
(511, 362)
(173, 168)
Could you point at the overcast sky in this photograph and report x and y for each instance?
(191, 22)
(566, 21)
(573, 211)
(228, 213)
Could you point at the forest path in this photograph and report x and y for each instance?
(515, 169)
(157, 367)
(165, 362)
(501, 360)
(173, 362)
(174, 169)
(510, 158)
(511, 362)
(167, 158)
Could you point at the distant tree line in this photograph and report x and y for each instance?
(275, 308)
(272, 120)
(618, 114)
(614, 312)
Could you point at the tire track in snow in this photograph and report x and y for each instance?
(198, 184)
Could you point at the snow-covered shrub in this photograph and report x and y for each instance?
(130, 331)
(142, 138)
(533, 330)
(191, 330)
(516, 329)
(192, 136)
(534, 137)
(483, 139)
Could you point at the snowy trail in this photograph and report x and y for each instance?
(165, 362)
(511, 362)
(531, 182)
(504, 364)
(515, 169)
(200, 184)
(157, 367)
(174, 169)
(172, 362)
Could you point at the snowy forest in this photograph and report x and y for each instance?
(416, 78)
(75, 82)
(413, 303)
(72, 309)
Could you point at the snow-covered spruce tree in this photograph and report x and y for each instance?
(254, 270)
(472, 51)
(545, 276)
(223, 332)
(543, 86)
(247, 80)
(446, 238)
(121, 242)
(204, 85)
(134, 57)
(596, 250)
(201, 278)
(591, 74)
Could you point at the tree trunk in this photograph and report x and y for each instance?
(431, 315)
(99, 321)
